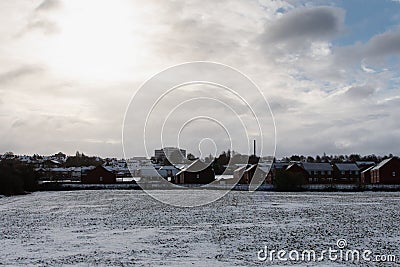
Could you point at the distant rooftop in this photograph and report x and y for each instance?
(317, 166)
(347, 167)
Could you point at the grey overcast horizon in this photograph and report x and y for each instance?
(329, 70)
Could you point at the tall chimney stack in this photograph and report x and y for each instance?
(254, 146)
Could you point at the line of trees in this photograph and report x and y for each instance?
(16, 177)
(81, 159)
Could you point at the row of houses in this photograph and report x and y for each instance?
(386, 172)
(198, 172)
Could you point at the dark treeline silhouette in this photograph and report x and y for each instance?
(81, 159)
(16, 177)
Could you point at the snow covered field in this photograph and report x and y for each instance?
(115, 228)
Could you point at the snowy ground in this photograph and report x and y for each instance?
(116, 228)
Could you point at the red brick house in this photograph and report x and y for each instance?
(346, 173)
(275, 166)
(386, 172)
(298, 169)
(255, 171)
(366, 175)
(245, 174)
(196, 173)
(99, 175)
(318, 173)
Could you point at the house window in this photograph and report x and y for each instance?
(342, 172)
(197, 176)
(393, 174)
(101, 178)
(322, 172)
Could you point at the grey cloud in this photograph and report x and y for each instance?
(384, 44)
(360, 91)
(301, 26)
(342, 63)
(375, 50)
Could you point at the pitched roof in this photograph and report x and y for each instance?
(294, 165)
(251, 167)
(168, 168)
(383, 162)
(195, 166)
(308, 166)
(240, 169)
(347, 167)
(291, 165)
(367, 169)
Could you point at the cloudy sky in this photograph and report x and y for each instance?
(329, 70)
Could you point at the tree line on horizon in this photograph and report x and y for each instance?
(16, 177)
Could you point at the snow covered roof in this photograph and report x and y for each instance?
(250, 167)
(347, 167)
(195, 166)
(293, 164)
(242, 168)
(383, 162)
(263, 167)
(368, 169)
